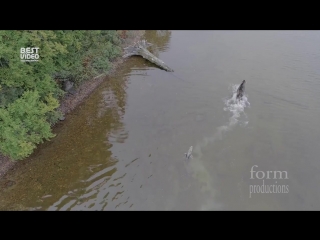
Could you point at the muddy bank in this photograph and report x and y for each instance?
(70, 102)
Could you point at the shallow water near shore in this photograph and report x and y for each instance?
(123, 148)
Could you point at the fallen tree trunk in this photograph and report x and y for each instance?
(140, 48)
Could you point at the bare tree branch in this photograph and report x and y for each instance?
(140, 48)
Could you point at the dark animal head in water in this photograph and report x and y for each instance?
(241, 89)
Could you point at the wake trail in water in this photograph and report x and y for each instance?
(236, 108)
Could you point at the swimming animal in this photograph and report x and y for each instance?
(240, 90)
(189, 153)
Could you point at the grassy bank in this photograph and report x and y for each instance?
(32, 96)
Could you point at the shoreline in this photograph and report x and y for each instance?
(70, 102)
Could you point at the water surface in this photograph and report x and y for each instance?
(123, 149)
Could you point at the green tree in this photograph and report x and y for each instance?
(24, 124)
(30, 91)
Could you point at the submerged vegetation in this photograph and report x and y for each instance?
(30, 92)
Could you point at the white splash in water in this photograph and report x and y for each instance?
(236, 108)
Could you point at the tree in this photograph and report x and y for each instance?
(30, 91)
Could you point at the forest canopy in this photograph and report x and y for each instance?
(30, 91)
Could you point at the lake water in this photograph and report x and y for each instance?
(124, 147)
